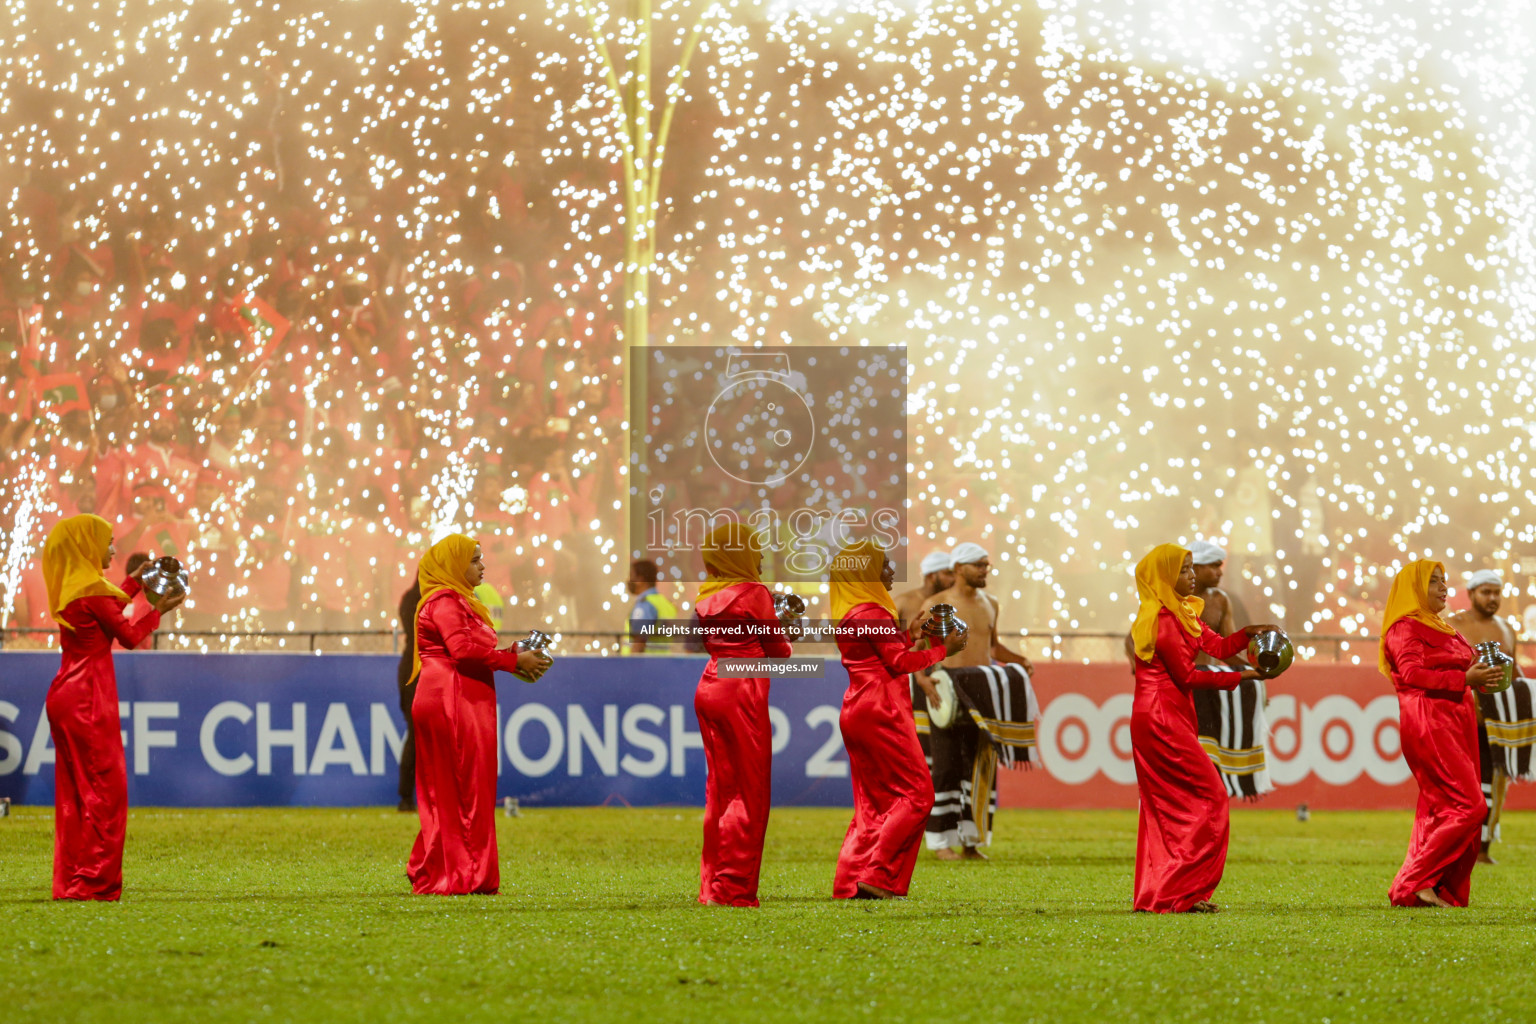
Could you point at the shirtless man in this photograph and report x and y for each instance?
(979, 611)
(1480, 623)
(938, 574)
(1208, 560)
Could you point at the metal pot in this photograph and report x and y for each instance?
(943, 622)
(1271, 653)
(1489, 654)
(536, 640)
(164, 577)
(789, 608)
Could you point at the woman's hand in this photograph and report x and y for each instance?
(1252, 673)
(1479, 676)
(142, 569)
(954, 643)
(1258, 630)
(915, 627)
(532, 663)
(168, 602)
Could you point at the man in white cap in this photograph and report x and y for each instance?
(938, 570)
(1480, 623)
(1209, 560)
(956, 827)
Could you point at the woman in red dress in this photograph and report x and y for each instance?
(1430, 665)
(733, 717)
(90, 789)
(1181, 840)
(454, 715)
(892, 789)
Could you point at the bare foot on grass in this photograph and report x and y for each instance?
(1430, 898)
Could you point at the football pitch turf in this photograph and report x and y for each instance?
(305, 915)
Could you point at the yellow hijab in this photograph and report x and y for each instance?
(733, 550)
(1409, 599)
(856, 579)
(72, 557)
(1155, 577)
(443, 568)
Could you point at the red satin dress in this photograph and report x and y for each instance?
(1438, 726)
(892, 789)
(454, 715)
(738, 746)
(90, 774)
(1181, 840)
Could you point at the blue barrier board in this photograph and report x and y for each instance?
(228, 730)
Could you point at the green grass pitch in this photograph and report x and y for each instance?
(305, 915)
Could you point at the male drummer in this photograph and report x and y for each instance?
(956, 828)
(1480, 623)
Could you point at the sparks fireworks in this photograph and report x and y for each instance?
(1268, 282)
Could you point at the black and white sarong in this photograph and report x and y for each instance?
(1511, 720)
(1234, 733)
(994, 725)
(1506, 737)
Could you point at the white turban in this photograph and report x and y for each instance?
(1483, 577)
(967, 553)
(938, 561)
(1203, 552)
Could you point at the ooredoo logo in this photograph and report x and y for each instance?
(1079, 739)
(1337, 739)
